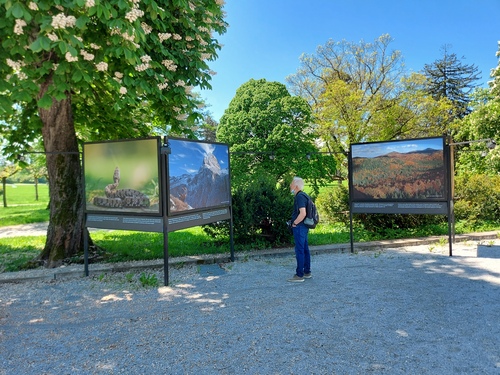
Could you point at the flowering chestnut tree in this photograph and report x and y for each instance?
(73, 67)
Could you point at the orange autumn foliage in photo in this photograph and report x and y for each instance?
(415, 175)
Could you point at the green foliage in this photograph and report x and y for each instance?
(495, 74)
(477, 198)
(260, 211)
(77, 70)
(148, 280)
(333, 204)
(359, 93)
(114, 57)
(269, 133)
(481, 124)
(387, 225)
(128, 67)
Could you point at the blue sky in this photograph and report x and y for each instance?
(371, 150)
(265, 38)
(187, 156)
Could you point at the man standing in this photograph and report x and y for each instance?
(300, 232)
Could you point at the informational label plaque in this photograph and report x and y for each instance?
(429, 208)
(193, 219)
(138, 223)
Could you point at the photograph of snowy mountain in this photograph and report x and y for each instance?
(198, 175)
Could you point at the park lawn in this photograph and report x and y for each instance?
(22, 194)
(22, 205)
(120, 246)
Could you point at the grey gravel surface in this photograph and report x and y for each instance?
(407, 310)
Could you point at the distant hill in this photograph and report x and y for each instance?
(393, 154)
(412, 175)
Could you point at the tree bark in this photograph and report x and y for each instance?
(36, 189)
(65, 231)
(4, 187)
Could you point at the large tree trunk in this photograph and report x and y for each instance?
(65, 231)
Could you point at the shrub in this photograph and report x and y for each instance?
(477, 198)
(260, 212)
(386, 223)
(333, 204)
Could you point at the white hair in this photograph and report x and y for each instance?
(299, 182)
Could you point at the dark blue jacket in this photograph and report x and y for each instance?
(299, 202)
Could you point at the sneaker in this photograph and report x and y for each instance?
(308, 275)
(296, 279)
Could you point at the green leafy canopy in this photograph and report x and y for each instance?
(270, 132)
(126, 52)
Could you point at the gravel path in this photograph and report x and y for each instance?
(411, 310)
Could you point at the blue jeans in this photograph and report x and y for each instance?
(302, 253)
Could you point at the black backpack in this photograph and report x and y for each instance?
(312, 216)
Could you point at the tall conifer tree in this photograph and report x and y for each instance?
(449, 78)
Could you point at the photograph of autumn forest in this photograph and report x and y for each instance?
(399, 170)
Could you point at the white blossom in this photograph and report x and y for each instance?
(89, 3)
(123, 90)
(102, 66)
(15, 65)
(169, 64)
(134, 14)
(142, 67)
(147, 29)
(164, 36)
(128, 37)
(53, 37)
(60, 21)
(87, 56)
(33, 6)
(18, 27)
(163, 85)
(70, 58)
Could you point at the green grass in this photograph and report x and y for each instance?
(121, 246)
(22, 206)
(17, 252)
(22, 194)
